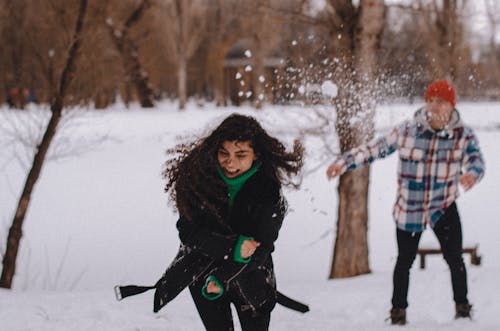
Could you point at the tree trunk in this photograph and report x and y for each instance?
(215, 69)
(182, 82)
(351, 246)
(259, 54)
(219, 84)
(258, 73)
(453, 39)
(129, 53)
(126, 92)
(449, 40)
(350, 257)
(491, 10)
(15, 231)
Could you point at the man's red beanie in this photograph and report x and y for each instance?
(441, 89)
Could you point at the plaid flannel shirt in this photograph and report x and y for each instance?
(430, 163)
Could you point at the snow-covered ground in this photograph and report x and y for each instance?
(100, 217)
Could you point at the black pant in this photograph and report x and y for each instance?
(448, 230)
(216, 315)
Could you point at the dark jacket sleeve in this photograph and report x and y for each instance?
(270, 221)
(201, 239)
(269, 217)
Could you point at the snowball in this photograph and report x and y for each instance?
(329, 88)
(316, 7)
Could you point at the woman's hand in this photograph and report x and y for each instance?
(212, 288)
(248, 248)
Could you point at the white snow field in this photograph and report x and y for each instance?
(99, 217)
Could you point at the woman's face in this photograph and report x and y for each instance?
(235, 157)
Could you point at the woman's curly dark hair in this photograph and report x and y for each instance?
(192, 178)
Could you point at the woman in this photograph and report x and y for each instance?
(227, 190)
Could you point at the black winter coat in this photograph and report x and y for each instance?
(207, 248)
(257, 211)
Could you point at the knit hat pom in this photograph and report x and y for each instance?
(441, 89)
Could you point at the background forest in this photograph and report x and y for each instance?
(237, 51)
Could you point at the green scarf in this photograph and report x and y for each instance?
(234, 185)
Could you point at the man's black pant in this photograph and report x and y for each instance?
(216, 315)
(448, 230)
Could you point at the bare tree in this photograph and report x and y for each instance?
(14, 57)
(445, 36)
(260, 26)
(246, 32)
(356, 36)
(129, 53)
(15, 232)
(224, 30)
(186, 29)
(261, 32)
(492, 10)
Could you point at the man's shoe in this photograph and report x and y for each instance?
(463, 310)
(398, 316)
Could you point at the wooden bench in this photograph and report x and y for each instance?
(475, 258)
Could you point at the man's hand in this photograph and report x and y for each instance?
(248, 248)
(467, 180)
(333, 171)
(212, 288)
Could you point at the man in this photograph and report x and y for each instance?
(436, 153)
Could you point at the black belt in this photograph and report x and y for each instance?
(122, 292)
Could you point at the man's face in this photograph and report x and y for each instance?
(438, 112)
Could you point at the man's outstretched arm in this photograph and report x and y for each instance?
(363, 155)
